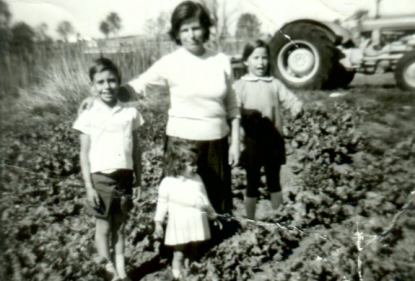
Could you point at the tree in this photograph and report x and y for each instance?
(65, 29)
(111, 24)
(104, 27)
(248, 27)
(114, 22)
(157, 30)
(23, 36)
(5, 14)
(41, 33)
(156, 27)
(5, 34)
(222, 15)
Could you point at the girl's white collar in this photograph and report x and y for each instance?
(256, 78)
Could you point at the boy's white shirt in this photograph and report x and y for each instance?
(111, 134)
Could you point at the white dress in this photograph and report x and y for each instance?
(186, 202)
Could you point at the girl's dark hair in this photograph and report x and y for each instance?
(250, 48)
(187, 10)
(103, 64)
(178, 153)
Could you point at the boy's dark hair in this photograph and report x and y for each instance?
(187, 10)
(250, 48)
(179, 151)
(103, 64)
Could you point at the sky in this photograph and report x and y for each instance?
(85, 15)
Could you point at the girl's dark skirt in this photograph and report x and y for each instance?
(263, 147)
(114, 191)
(214, 169)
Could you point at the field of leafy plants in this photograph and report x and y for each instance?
(348, 188)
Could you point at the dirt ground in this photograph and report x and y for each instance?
(371, 187)
(382, 132)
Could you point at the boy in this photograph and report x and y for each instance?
(109, 154)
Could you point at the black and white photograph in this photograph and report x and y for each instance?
(287, 129)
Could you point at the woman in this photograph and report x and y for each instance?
(202, 100)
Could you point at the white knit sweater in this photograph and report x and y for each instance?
(201, 94)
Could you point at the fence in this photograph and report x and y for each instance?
(25, 68)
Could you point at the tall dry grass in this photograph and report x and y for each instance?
(52, 79)
(64, 85)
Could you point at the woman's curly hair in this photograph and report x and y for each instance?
(178, 153)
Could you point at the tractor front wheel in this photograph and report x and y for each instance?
(405, 72)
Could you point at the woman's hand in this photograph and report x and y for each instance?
(136, 193)
(158, 231)
(218, 224)
(234, 149)
(234, 154)
(86, 104)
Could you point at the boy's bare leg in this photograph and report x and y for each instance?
(250, 207)
(178, 257)
(118, 240)
(101, 238)
(102, 231)
(276, 199)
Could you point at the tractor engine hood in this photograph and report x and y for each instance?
(393, 23)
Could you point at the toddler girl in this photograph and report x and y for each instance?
(183, 196)
(261, 97)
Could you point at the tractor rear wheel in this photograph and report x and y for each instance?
(405, 72)
(340, 77)
(304, 56)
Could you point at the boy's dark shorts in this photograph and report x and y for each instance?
(114, 191)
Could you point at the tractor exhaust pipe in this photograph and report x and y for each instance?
(377, 14)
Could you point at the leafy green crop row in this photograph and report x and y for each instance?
(342, 184)
(50, 237)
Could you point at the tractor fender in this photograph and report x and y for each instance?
(336, 33)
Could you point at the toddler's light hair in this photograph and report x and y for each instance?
(178, 153)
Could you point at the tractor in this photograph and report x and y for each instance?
(310, 54)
